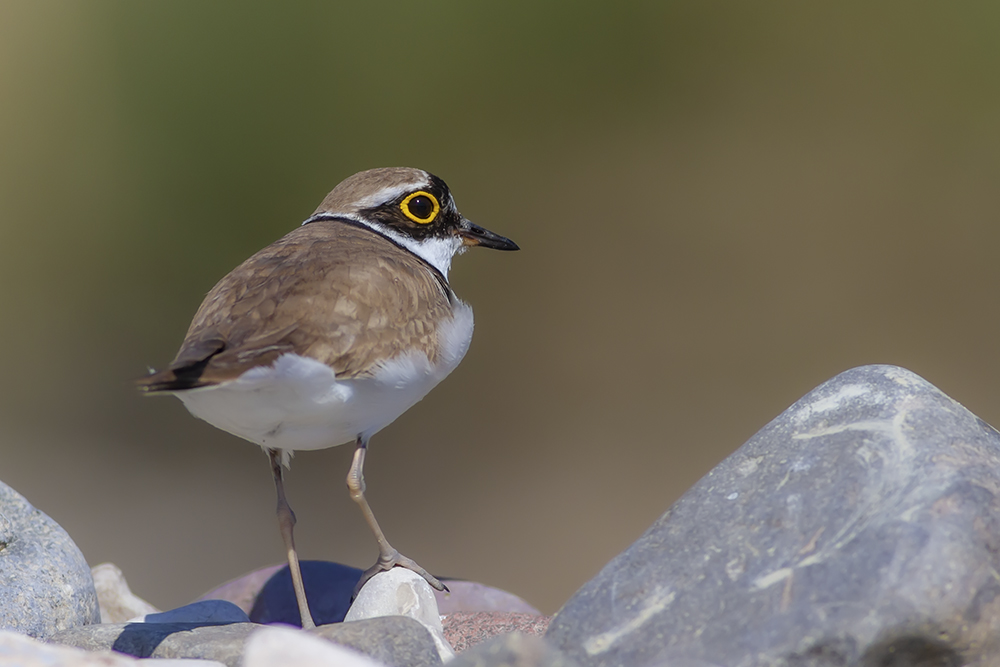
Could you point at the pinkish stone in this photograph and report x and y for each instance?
(243, 591)
(463, 596)
(471, 596)
(466, 629)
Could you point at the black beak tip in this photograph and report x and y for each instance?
(476, 235)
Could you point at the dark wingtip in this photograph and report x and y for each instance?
(155, 383)
(170, 380)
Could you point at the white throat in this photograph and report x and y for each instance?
(434, 250)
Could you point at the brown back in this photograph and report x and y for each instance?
(330, 290)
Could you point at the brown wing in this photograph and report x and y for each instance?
(329, 290)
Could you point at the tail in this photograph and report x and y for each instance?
(186, 371)
(173, 379)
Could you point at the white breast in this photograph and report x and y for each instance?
(297, 403)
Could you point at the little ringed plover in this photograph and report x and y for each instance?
(331, 332)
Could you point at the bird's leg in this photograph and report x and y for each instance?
(388, 557)
(286, 522)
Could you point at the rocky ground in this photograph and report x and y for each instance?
(861, 527)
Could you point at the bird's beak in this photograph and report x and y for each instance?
(475, 235)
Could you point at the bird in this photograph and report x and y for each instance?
(330, 333)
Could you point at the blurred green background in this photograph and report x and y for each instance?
(719, 205)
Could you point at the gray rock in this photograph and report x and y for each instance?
(397, 641)
(45, 583)
(223, 643)
(860, 527)
(17, 650)
(23, 651)
(394, 640)
(513, 650)
(204, 612)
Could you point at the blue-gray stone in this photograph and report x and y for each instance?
(860, 527)
(45, 583)
(206, 612)
(329, 587)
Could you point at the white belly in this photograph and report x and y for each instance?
(298, 403)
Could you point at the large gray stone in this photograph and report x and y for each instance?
(45, 583)
(860, 527)
(397, 641)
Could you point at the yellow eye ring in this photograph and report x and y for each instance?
(428, 218)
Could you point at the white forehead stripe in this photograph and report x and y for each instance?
(387, 194)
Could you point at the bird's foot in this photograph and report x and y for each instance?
(391, 559)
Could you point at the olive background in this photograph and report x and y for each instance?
(720, 205)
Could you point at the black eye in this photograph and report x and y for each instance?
(420, 207)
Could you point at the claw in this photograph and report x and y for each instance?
(393, 559)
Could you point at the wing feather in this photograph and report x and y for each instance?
(329, 290)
